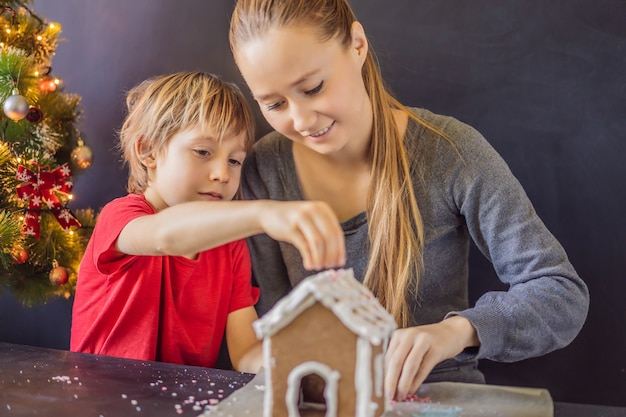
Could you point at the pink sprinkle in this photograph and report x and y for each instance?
(213, 401)
(413, 398)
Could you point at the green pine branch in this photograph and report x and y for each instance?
(44, 139)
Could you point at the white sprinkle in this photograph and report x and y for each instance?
(124, 396)
(133, 402)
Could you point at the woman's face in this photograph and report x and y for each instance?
(310, 91)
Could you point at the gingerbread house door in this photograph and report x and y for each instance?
(294, 380)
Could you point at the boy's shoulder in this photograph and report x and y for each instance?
(128, 199)
(126, 204)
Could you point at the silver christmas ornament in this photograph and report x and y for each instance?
(16, 107)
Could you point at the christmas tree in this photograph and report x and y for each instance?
(41, 148)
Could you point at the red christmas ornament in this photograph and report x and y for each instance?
(59, 275)
(47, 85)
(34, 115)
(20, 255)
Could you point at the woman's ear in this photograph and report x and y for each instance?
(359, 41)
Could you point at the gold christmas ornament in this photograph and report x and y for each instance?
(82, 156)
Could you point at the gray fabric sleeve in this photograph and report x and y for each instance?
(547, 302)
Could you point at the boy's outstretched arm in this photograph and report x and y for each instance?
(244, 349)
(188, 228)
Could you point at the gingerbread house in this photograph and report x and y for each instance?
(329, 327)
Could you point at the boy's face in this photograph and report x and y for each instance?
(196, 167)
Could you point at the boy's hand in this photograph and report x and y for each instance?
(312, 227)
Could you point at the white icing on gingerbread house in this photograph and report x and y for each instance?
(333, 327)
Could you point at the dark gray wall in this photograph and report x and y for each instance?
(544, 81)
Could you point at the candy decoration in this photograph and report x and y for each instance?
(15, 107)
(59, 275)
(40, 189)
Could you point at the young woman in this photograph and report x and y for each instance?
(166, 273)
(411, 189)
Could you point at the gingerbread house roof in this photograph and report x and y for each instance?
(353, 304)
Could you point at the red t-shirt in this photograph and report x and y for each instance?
(165, 308)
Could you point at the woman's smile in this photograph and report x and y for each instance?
(320, 135)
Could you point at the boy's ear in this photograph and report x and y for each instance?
(148, 160)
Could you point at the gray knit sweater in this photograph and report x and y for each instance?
(463, 194)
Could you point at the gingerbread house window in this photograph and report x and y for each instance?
(331, 330)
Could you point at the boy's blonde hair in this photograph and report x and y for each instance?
(162, 106)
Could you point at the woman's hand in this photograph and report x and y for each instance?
(414, 351)
(311, 226)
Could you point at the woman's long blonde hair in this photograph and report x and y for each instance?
(396, 232)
